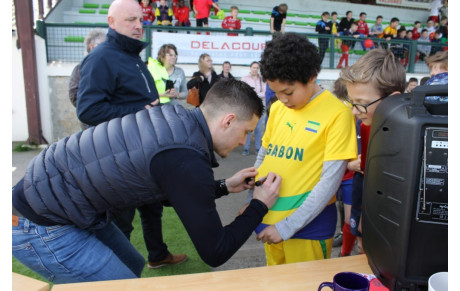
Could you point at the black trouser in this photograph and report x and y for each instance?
(151, 226)
(323, 45)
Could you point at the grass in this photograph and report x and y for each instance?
(175, 237)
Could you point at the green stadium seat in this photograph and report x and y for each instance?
(213, 17)
(303, 15)
(74, 38)
(265, 20)
(289, 22)
(90, 5)
(316, 16)
(291, 14)
(226, 9)
(301, 23)
(87, 11)
(250, 19)
(103, 11)
(259, 12)
(243, 11)
(82, 22)
(105, 6)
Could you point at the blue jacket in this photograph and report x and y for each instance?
(87, 177)
(114, 80)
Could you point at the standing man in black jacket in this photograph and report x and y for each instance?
(115, 82)
(63, 206)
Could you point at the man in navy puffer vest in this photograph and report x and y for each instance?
(63, 206)
(115, 82)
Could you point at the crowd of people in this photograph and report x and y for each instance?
(76, 203)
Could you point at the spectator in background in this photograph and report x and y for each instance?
(323, 27)
(334, 24)
(176, 74)
(434, 10)
(423, 51)
(363, 29)
(278, 18)
(201, 9)
(376, 30)
(436, 39)
(164, 14)
(443, 11)
(148, 15)
(347, 44)
(346, 22)
(416, 30)
(438, 65)
(443, 27)
(232, 22)
(226, 68)
(430, 26)
(159, 68)
(254, 79)
(205, 78)
(92, 39)
(411, 84)
(390, 32)
(407, 47)
(182, 14)
(423, 80)
(398, 49)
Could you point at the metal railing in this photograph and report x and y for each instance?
(64, 43)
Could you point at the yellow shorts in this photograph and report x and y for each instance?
(297, 250)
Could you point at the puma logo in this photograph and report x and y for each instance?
(290, 125)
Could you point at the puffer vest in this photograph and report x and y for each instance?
(85, 178)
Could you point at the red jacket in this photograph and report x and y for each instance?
(362, 27)
(415, 34)
(182, 14)
(147, 13)
(229, 22)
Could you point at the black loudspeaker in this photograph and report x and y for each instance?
(405, 194)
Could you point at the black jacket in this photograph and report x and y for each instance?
(203, 86)
(114, 80)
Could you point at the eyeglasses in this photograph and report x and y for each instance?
(362, 108)
(172, 56)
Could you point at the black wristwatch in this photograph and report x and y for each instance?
(223, 187)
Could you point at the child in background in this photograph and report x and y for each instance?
(398, 49)
(436, 39)
(232, 22)
(344, 194)
(376, 30)
(148, 16)
(375, 76)
(347, 44)
(323, 26)
(363, 29)
(164, 14)
(423, 51)
(278, 18)
(310, 137)
(182, 14)
(416, 30)
(411, 84)
(334, 24)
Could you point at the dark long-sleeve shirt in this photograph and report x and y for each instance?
(188, 181)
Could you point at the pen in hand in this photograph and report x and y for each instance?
(258, 183)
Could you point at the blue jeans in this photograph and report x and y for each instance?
(68, 254)
(257, 135)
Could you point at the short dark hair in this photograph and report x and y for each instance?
(413, 80)
(325, 13)
(334, 13)
(362, 13)
(416, 22)
(394, 19)
(423, 30)
(234, 94)
(226, 62)
(290, 58)
(349, 11)
(423, 80)
(380, 16)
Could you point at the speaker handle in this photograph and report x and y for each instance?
(420, 92)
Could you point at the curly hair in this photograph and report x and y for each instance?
(290, 58)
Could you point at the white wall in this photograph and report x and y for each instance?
(18, 96)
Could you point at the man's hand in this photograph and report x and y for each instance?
(150, 105)
(270, 235)
(237, 182)
(268, 192)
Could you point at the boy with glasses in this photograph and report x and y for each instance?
(372, 78)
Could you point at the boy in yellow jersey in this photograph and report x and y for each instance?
(309, 138)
